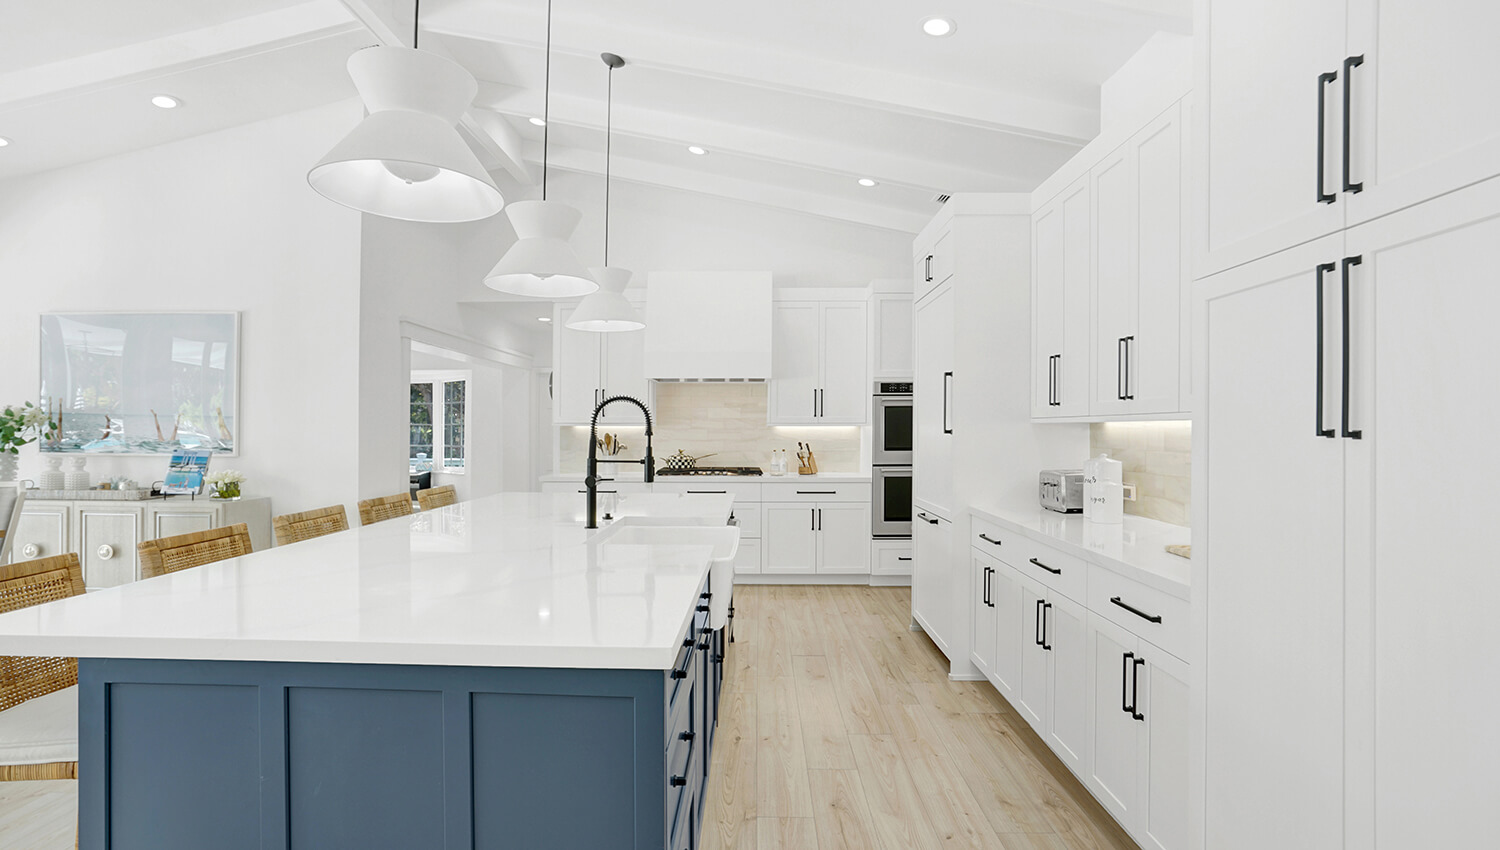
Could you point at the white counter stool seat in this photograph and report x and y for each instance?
(437, 497)
(39, 696)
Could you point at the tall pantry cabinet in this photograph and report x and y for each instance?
(974, 439)
(1342, 594)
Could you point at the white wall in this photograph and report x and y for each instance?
(223, 221)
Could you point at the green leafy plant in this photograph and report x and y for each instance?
(22, 425)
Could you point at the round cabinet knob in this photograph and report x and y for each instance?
(105, 552)
(31, 550)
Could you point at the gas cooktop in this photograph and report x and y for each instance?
(713, 470)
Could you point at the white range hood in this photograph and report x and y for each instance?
(708, 326)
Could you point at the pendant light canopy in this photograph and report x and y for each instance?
(607, 311)
(542, 263)
(406, 160)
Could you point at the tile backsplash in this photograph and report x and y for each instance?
(727, 419)
(1158, 461)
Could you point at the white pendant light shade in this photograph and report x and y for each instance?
(607, 311)
(542, 264)
(406, 160)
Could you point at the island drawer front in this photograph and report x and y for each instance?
(1148, 604)
(680, 677)
(679, 775)
(707, 485)
(815, 491)
(1063, 573)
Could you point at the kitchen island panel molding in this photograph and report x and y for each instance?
(435, 752)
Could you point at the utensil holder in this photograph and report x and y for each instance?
(810, 467)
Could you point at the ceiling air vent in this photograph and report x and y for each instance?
(941, 197)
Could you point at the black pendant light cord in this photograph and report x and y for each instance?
(416, 17)
(609, 141)
(547, 102)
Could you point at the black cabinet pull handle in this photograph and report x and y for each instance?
(820, 519)
(1045, 608)
(1353, 435)
(1120, 368)
(1052, 377)
(1154, 618)
(677, 781)
(1323, 81)
(1323, 268)
(903, 557)
(1125, 705)
(1129, 393)
(812, 519)
(926, 518)
(947, 400)
(702, 607)
(928, 273)
(1350, 64)
(1135, 684)
(707, 594)
(679, 674)
(708, 492)
(817, 492)
(986, 586)
(1041, 623)
(686, 736)
(986, 538)
(703, 647)
(1053, 570)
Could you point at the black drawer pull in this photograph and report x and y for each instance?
(1154, 618)
(986, 538)
(903, 557)
(709, 492)
(702, 607)
(1053, 570)
(926, 518)
(707, 594)
(706, 630)
(677, 781)
(686, 736)
(703, 647)
(817, 492)
(679, 674)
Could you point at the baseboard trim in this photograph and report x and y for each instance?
(775, 578)
(890, 581)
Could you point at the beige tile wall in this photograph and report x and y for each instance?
(1158, 461)
(727, 419)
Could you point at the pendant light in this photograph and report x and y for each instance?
(607, 311)
(542, 264)
(406, 160)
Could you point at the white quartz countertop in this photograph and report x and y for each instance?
(1136, 548)
(503, 581)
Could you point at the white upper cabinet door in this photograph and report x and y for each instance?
(796, 358)
(624, 373)
(1116, 303)
(1422, 100)
(843, 537)
(1154, 357)
(844, 391)
(1423, 303)
(1261, 93)
(892, 345)
(1062, 290)
(935, 264)
(932, 456)
(1114, 772)
(1047, 308)
(576, 377)
(1273, 596)
(789, 538)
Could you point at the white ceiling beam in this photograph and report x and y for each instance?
(721, 139)
(810, 76)
(1164, 15)
(496, 143)
(734, 189)
(174, 54)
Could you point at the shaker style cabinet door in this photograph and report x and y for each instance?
(1062, 270)
(1262, 101)
(795, 361)
(843, 537)
(107, 537)
(42, 532)
(932, 402)
(982, 618)
(1114, 772)
(844, 394)
(1273, 601)
(789, 538)
(1421, 100)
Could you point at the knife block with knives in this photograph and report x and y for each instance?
(807, 462)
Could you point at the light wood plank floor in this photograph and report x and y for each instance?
(839, 730)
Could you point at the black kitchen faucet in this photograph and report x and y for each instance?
(591, 479)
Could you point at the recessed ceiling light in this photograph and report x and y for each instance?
(939, 27)
(867, 182)
(537, 121)
(165, 101)
(4, 141)
(544, 318)
(696, 151)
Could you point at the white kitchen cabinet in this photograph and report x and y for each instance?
(1163, 697)
(42, 532)
(891, 339)
(936, 587)
(1062, 267)
(816, 537)
(1139, 275)
(1010, 631)
(934, 263)
(890, 557)
(1274, 644)
(982, 620)
(589, 367)
(1065, 632)
(819, 363)
(1032, 692)
(747, 561)
(932, 402)
(108, 534)
(1114, 772)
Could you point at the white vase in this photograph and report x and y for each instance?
(78, 479)
(52, 477)
(7, 468)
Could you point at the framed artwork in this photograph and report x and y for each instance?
(141, 383)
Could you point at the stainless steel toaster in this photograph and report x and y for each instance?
(1061, 490)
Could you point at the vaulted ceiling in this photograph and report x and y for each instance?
(793, 100)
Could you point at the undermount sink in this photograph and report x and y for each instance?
(654, 531)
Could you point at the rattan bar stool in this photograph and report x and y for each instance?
(437, 497)
(171, 554)
(39, 696)
(386, 507)
(294, 528)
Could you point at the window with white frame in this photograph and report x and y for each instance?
(439, 422)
